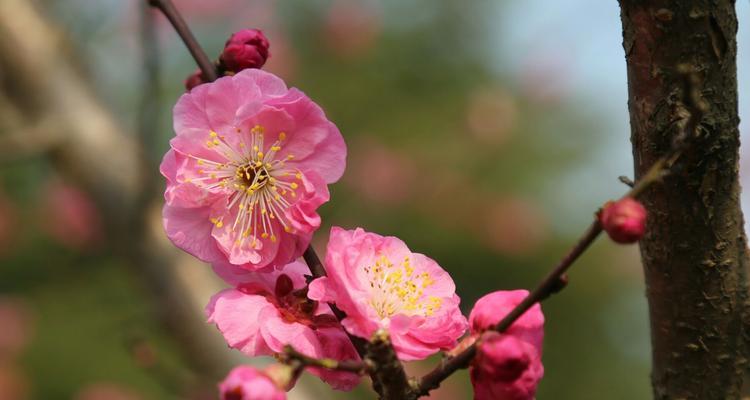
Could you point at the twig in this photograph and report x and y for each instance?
(692, 111)
(388, 376)
(290, 354)
(174, 17)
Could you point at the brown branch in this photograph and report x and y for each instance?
(388, 376)
(556, 279)
(179, 24)
(290, 354)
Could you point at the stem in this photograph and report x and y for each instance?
(555, 280)
(290, 354)
(174, 17)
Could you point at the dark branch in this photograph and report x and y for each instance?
(174, 17)
(290, 354)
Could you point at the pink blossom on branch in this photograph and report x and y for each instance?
(247, 170)
(380, 284)
(266, 311)
(248, 383)
(508, 365)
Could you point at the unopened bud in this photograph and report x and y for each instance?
(195, 79)
(502, 357)
(247, 48)
(624, 220)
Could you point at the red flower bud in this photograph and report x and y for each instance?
(624, 220)
(247, 48)
(195, 79)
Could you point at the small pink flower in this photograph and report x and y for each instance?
(379, 283)
(267, 311)
(247, 383)
(508, 365)
(247, 48)
(247, 170)
(505, 368)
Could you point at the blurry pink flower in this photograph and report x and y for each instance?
(382, 175)
(512, 226)
(16, 324)
(247, 170)
(70, 216)
(544, 75)
(505, 368)
(284, 62)
(106, 391)
(351, 27)
(267, 311)
(492, 115)
(508, 366)
(248, 383)
(379, 283)
(247, 48)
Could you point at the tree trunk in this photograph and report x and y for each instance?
(694, 252)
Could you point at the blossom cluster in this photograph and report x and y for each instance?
(245, 175)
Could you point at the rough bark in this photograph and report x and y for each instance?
(694, 253)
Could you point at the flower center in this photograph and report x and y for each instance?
(397, 289)
(262, 186)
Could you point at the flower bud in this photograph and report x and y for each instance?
(247, 383)
(247, 48)
(195, 79)
(502, 357)
(505, 367)
(624, 220)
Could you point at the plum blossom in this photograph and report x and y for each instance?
(247, 383)
(508, 365)
(247, 170)
(380, 284)
(266, 311)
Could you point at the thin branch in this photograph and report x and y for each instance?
(687, 131)
(290, 354)
(174, 17)
(549, 285)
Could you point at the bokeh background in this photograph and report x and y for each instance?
(483, 133)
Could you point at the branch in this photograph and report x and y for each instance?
(179, 24)
(290, 355)
(556, 279)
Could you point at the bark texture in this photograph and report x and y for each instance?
(694, 252)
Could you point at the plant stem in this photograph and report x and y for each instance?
(179, 24)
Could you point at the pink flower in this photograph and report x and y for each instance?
(379, 283)
(624, 220)
(505, 368)
(70, 216)
(267, 311)
(247, 170)
(247, 48)
(508, 365)
(247, 383)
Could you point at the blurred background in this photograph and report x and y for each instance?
(483, 133)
